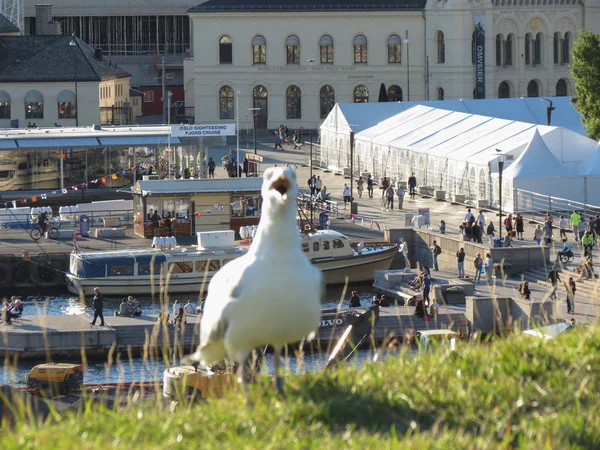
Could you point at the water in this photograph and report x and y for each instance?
(139, 369)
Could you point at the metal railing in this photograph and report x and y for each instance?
(70, 220)
(306, 201)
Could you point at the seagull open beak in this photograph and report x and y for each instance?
(282, 185)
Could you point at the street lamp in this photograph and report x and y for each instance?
(549, 109)
(254, 125)
(310, 164)
(169, 94)
(237, 127)
(406, 41)
(500, 169)
(73, 43)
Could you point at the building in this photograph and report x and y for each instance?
(7, 28)
(294, 62)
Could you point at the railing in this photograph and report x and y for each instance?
(306, 202)
(69, 220)
(534, 206)
(115, 115)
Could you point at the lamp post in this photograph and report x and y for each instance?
(500, 169)
(351, 172)
(73, 43)
(406, 41)
(169, 93)
(254, 110)
(549, 109)
(237, 126)
(310, 164)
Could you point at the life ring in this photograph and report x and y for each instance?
(46, 272)
(21, 273)
(307, 227)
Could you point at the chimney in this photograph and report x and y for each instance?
(98, 54)
(44, 25)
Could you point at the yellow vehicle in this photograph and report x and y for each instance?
(198, 383)
(447, 337)
(56, 377)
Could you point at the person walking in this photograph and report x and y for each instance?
(520, 226)
(575, 219)
(562, 224)
(384, 185)
(571, 289)
(370, 186)
(435, 251)
(460, 258)
(554, 278)
(426, 287)
(537, 234)
(478, 264)
(412, 185)
(360, 186)
(481, 220)
(211, 168)
(312, 185)
(389, 197)
(588, 242)
(278, 140)
(98, 305)
(318, 185)
(547, 233)
(490, 233)
(400, 194)
(346, 194)
(489, 267)
(508, 224)
(469, 216)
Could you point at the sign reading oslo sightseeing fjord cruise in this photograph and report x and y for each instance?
(479, 56)
(216, 129)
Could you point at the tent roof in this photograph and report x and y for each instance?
(536, 161)
(591, 165)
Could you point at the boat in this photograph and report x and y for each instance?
(443, 336)
(175, 270)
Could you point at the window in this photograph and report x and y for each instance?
(237, 206)
(252, 206)
(338, 243)
(259, 50)
(441, 47)
(327, 100)
(566, 49)
(440, 93)
(394, 49)
(147, 269)
(499, 50)
(561, 88)
(34, 105)
(537, 50)
(148, 96)
(508, 51)
(292, 102)
(504, 90)
(212, 265)
(225, 50)
(360, 49)
(528, 49)
(226, 108)
(182, 208)
(4, 105)
(315, 246)
(556, 46)
(181, 267)
(292, 50)
(326, 49)
(361, 94)
(120, 270)
(305, 247)
(67, 105)
(135, 101)
(325, 245)
(394, 93)
(533, 89)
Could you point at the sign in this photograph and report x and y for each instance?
(253, 157)
(424, 216)
(215, 129)
(479, 56)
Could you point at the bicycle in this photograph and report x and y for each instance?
(36, 233)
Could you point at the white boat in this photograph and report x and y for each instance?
(174, 271)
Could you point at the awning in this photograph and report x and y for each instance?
(8, 144)
(58, 143)
(131, 141)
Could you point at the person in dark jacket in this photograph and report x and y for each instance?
(571, 289)
(169, 224)
(554, 279)
(246, 166)
(383, 301)
(98, 304)
(354, 300)
(370, 186)
(412, 184)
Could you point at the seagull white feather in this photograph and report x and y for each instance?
(271, 295)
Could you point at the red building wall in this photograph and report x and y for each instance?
(152, 102)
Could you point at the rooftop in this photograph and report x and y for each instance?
(52, 58)
(200, 186)
(6, 26)
(307, 5)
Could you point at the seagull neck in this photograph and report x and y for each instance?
(282, 232)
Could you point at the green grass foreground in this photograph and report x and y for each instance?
(518, 392)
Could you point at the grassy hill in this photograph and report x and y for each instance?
(518, 392)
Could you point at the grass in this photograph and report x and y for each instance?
(518, 392)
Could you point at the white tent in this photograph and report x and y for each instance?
(589, 171)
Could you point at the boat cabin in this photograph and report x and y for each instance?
(326, 244)
(196, 205)
(444, 336)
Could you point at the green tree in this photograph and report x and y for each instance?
(586, 73)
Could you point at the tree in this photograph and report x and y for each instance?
(383, 97)
(586, 73)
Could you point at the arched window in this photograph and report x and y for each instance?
(566, 49)
(4, 105)
(292, 50)
(441, 47)
(499, 50)
(34, 105)
(226, 103)
(225, 50)
(562, 89)
(394, 93)
(440, 93)
(537, 49)
(360, 49)
(293, 105)
(528, 49)
(67, 105)
(260, 100)
(533, 89)
(508, 51)
(259, 50)
(326, 49)
(556, 47)
(327, 96)
(361, 94)
(394, 49)
(504, 90)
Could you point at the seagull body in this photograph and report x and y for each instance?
(269, 296)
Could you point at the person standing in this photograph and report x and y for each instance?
(575, 219)
(400, 194)
(478, 263)
(412, 185)
(211, 168)
(246, 166)
(384, 185)
(490, 233)
(469, 217)
(587, 241)
(435, 251)
(370, 186)
(312, 184)
(537, 234)
(155, 220)
(460, 258)
(346, 194)
(354, 300)
(554, 278)
(318, 185)
(169, 224)
(389, 197)
(481, 220)
(98, 305)
(442, 227)
(360, 185)
(426, 287)
(547, 232)
(403, 250)
(563, 228)
(571, 289)
(520, 227)
(508, 224)
(489, 267)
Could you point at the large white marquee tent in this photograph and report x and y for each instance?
(458, 152)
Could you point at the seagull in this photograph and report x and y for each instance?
(271, 295)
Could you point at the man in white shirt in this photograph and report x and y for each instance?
(190, 307)
(469, 216)
(481, 220)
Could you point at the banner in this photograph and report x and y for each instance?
(216, 129)
(479, 56)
